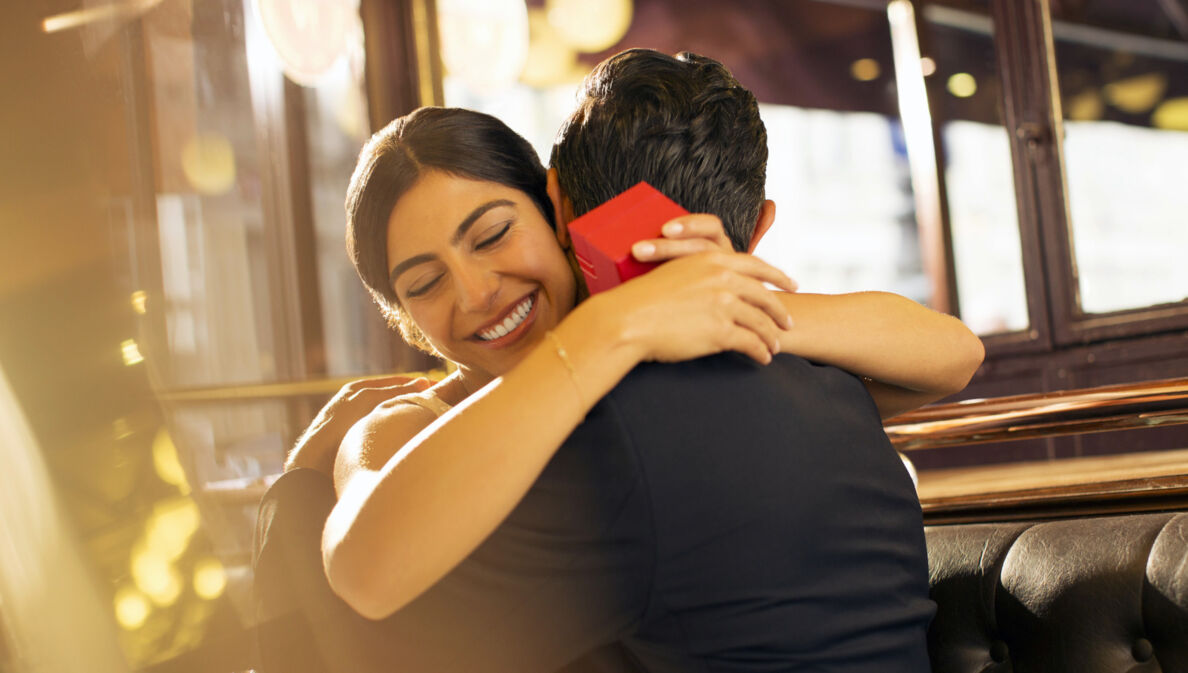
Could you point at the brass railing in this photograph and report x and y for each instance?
(1066, 412)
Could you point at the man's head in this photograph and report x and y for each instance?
(683, 124)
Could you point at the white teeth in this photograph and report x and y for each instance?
(513, 321)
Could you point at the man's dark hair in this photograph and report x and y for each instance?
(460, 142)
(683, 124)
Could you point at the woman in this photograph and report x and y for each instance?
(459, 250)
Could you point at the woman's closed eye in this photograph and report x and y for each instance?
(422, 287)
(489, 240)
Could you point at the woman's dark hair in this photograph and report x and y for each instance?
(684, 124)
(459, 142)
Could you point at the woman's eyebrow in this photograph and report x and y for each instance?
(468, 222)
(463, 227)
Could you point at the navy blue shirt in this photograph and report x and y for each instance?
(713, 515)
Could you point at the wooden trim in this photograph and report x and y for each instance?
(300, 264)
(403, 60)
(1025, 115)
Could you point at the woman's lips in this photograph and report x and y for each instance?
(513, 323)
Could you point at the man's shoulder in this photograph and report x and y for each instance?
(734, 375)
(732, 390)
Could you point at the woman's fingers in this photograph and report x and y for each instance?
(759, 322)
(748, 343)
(683, 236)
(698, 225)
(756, 268)
(662, 249)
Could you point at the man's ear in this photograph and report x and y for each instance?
(562, 209)
(762, 224)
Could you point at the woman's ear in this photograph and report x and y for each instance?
(762, 224)
(562, 210)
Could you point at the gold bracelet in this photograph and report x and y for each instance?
(564, 357)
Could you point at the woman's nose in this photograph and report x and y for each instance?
(476, 289)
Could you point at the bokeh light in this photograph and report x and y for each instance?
(130, 352)
(208, 162)
(166, 463)
(1172, 115)
(590, 26)
(132, 608)
(551, 60)
(865, 70)
(962, 85)
(484, 42)
(209, 578)
(1135, 95)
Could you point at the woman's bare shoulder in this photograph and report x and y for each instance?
(369, 445)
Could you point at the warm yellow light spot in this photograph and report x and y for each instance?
(171, 526)
(209, 578)
(590, 26)
(1138, 94)
(131, 352)
(1172, 115)
(484, 43)
(166, 463)
(1085, 106)
(865, 70)
(927, 66)
(155, 575)
(550, 59)
(208, 162)
(139, 301)
(962, 85)
(131, 607)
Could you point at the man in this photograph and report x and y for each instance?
(709, 515)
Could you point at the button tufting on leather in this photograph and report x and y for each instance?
(1142, 650)
(999, 651)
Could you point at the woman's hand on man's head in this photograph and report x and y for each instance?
(700, 304)
(318, 446)
(686, 235)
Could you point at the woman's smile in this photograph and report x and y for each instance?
(513, 324)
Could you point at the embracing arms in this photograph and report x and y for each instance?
(404, 521)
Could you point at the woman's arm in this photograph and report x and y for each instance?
(909, 354)
(397, 530)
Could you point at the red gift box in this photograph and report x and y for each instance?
(602, 238)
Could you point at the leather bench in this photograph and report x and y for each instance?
(1079, 595)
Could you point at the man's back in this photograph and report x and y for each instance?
(786, 530)
(712, 515)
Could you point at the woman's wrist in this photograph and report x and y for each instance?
(600, 344)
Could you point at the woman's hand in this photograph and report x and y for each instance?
(683, 236)
(701, 304)
(318, 445)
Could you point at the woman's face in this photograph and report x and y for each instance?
(478, 269)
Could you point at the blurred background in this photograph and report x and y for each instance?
(175, 302)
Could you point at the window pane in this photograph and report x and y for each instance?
(217, 323)
(1123, 72)
(979, 178)
(356, 339)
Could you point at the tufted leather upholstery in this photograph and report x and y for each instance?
(1105, 594)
